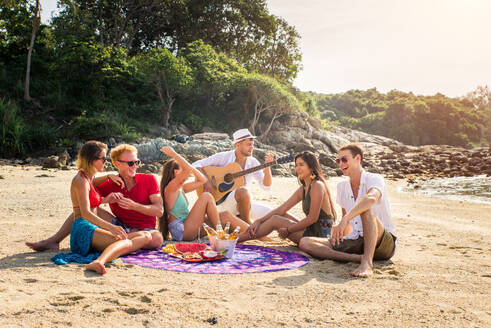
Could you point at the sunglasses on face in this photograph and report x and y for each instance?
(131, 163)
(343, 159)
(103, 159)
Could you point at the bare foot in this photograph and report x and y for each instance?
(96, 266)
(364, 270)
(43, 245)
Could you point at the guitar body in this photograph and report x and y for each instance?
(227, 178)
(221, 180)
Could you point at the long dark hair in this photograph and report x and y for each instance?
(167, 176)
(313, 163)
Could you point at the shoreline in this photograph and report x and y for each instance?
(438, 277)
(470, 190)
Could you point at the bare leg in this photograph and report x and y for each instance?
(226, 216)
(243, 199)
(111, 248)
(157, 240)
(204, 205)
(53, 242)
(373, 230)
(274, 223)
(321, 248)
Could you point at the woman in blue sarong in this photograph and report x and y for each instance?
(91, 233)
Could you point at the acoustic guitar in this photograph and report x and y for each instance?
(227, 178)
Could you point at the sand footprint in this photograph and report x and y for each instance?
(132, 310)
(30, 280)
(145, 299)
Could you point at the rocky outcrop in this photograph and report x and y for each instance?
(200, 146)
(382, 155)
(298, 132)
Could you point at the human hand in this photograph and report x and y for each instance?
(113, 197)
(117, 180)
(268, 158)
(207, 187)
(117, 232)
(253, 228)
(337, 232)
(169, 151)
(127, 203)
(283, 233)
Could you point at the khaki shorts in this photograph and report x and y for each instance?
(384, 251)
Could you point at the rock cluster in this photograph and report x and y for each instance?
(424, 162)
(298, 132)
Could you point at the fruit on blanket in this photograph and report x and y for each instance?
(169, 248)
(209, 254)
(191, 256)
(189, 248)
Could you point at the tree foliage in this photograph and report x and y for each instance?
(409, 118)
(243, 30)
(170, 76)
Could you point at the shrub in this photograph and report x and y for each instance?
(20, 137)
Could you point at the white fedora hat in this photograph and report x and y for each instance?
(242, 134)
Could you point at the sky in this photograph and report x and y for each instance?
(422, 46)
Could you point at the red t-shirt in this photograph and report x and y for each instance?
(146, 185)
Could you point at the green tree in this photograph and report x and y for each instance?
(36, 21)
(170, 76)
(243, 30)
(266, 96)
(277, 53)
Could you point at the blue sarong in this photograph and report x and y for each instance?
(80, 240)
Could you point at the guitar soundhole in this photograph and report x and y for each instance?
(228, 178)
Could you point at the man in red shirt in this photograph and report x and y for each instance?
(134, 200)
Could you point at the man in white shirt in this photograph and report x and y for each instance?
(366, 231)
(239, 201)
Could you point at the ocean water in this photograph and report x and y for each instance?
(473, 189)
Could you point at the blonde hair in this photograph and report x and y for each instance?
(117, 151)
(90, 152)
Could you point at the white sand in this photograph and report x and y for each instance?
(440, 275)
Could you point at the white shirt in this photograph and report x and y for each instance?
(226, 157)
(381, 208)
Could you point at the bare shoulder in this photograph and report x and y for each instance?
(79, 181)
(318, 186)
(170, 189)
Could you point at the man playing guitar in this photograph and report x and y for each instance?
(240, 201)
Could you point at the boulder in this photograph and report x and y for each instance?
(147, 168)
(328, 161)
(52, 162)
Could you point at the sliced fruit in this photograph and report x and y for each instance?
(209, 254)
(189, 248)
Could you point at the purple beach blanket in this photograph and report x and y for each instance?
(247, 259)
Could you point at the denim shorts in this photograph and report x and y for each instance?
(176, 229)
(126, 228)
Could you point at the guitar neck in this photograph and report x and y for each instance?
(253, 169)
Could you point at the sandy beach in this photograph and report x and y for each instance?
(439, 277)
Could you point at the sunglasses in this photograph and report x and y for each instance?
(131, 163)
(343, 159)
(103, 159)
